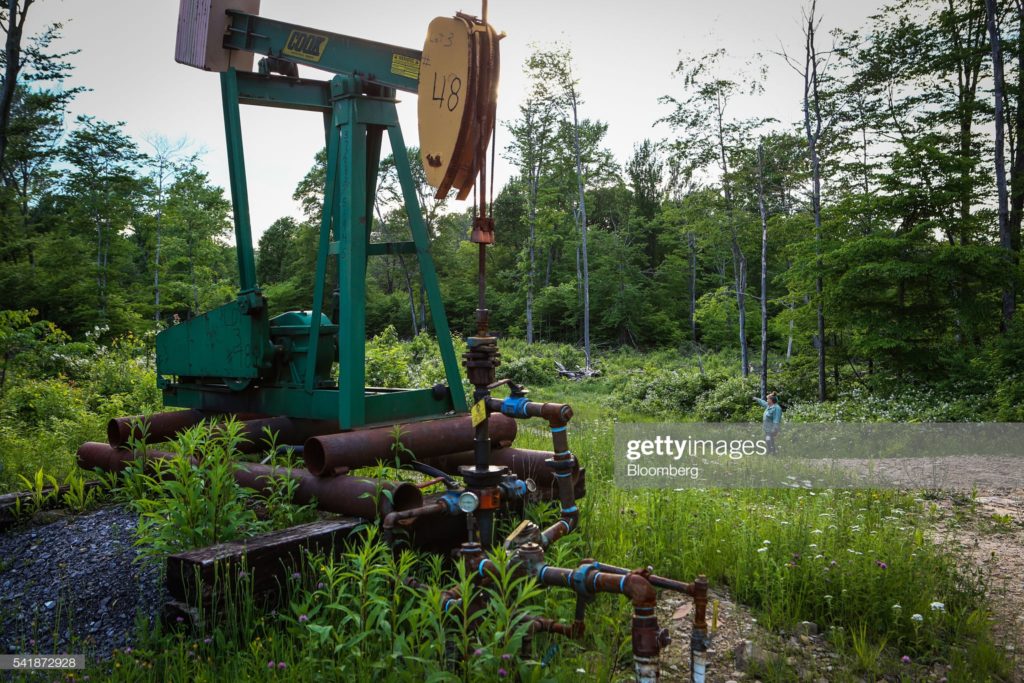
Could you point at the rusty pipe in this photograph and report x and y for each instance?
(523, 462)
(92, 455)
(344, 495)
(289, 431)
(647, 637)
(151, 428)
(426, 440)
(159, 426)
(436, 507)
(562, 465)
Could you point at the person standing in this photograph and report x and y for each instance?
(771, 420)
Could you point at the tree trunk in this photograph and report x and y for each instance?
(1017, 170)
(583, 229)
(529, 279)
(739, 261)
(692, 239)
(764, 270)
(1004, 224)
(813, 131)
(12, 52)
(412, 297)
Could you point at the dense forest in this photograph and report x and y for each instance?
(874, 236)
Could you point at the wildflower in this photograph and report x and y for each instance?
(502, 673)
(938, 607)
(282, 665)
(762, 550)
(506, 656)
(766, 542)
(828, 597)
(320, 586)
(916, 617)
(180, 619)
(296, 575)
(477, 652)
(881, 565)
(817, 531)
(241, 573)
(897, 607)
(128, 649)
(270, 664)
(207, 640)
(905, 659)
(303, 618)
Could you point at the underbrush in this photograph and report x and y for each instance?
(858, 563)
(64, 395)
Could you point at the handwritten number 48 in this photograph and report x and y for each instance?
(449, 94)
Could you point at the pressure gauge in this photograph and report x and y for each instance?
(468, 502)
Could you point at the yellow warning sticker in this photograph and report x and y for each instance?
(403, 65)
(478, 412)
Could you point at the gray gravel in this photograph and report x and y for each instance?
(71, 586)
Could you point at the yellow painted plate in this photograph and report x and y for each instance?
(444, 92)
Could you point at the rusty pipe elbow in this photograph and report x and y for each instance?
(639, 590)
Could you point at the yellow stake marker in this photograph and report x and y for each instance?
(714, 616)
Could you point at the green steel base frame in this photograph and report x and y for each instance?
(356, 116)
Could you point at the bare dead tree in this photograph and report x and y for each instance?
(1009, 296)
(811, 71)
(764, 269)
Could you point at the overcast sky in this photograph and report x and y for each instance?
(625, 53)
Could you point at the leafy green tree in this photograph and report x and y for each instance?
(197, 219)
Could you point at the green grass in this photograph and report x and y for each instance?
(858, 563)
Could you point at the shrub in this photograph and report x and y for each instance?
(730, 401)
(663, 392)
(387, 364)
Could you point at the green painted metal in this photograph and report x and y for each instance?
(229, 343)
(278, 91)
(373, 62)
(239, 190)
(382, 406)
(233, 358)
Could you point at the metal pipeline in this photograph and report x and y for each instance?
(159, 426)
(523, 462)
(92, 455)
(562, 466)
(343, 495)
(426, 440)
(288, 430)
(437, 507)
(151, 428)
(587, 580)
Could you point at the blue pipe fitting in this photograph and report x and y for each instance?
(514, 407)
(451, 499)
(514, 488)
(579, 578)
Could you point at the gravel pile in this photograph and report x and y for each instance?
(71, 586)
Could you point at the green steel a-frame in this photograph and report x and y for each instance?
(235, 358)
